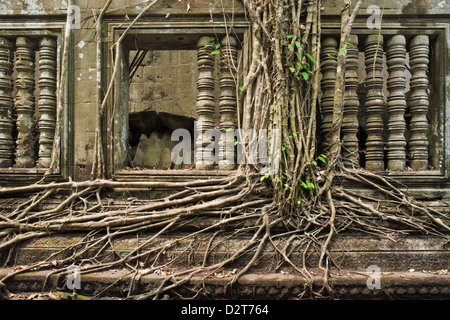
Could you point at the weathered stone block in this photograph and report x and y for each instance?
(86, 113)
(136, 90)
(85, 52)
(85, 86)
(148, 74)
(149, 151)
(163, 73)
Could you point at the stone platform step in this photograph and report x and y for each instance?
(411, 267)
(356, 252)
(115, 284)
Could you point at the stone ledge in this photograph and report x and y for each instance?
(347, 285)
(351, 252)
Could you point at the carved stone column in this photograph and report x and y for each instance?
(396, 83)
(47, 99)
(24, 103)
(227, 102)
(6, 104)
(329, 64)
(204, 158)
(374, 102)
(418, 144)
(351, 107)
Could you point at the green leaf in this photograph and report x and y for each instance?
(241, 88)
(292, 69)
(294, 134)
(212, 39)
(314, 163)
(309, 57)
(305, 76)
(229, 129)
(321, 159)
(297, 44)
(290, 36)
(215, 52)
(290, 46)
(311, 185)
(287, 186)
(349, 45)
(217, 45)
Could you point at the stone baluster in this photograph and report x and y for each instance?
(396, 103)
(350, 123)
(47, 99)
(374, 102)
(227, 102)
(24, 103)
(6, 104)
(328, 82)
(418, 104)
(204, 158)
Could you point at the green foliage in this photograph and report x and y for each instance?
(349, 45)
(309, 57)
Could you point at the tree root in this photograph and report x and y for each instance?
(301, 202)
(240, 200)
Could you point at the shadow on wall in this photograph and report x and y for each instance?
(416, 7)
(150, 138)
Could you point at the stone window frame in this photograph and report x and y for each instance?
(437, 32)
(439, 102)
(115, 101)
(22, 176)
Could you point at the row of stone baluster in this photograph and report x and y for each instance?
(206, 101)
(399, 153)
(18, 125)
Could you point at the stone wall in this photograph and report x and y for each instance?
(166, 81)
(171, 79)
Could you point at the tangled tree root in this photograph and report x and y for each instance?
(233, 200)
